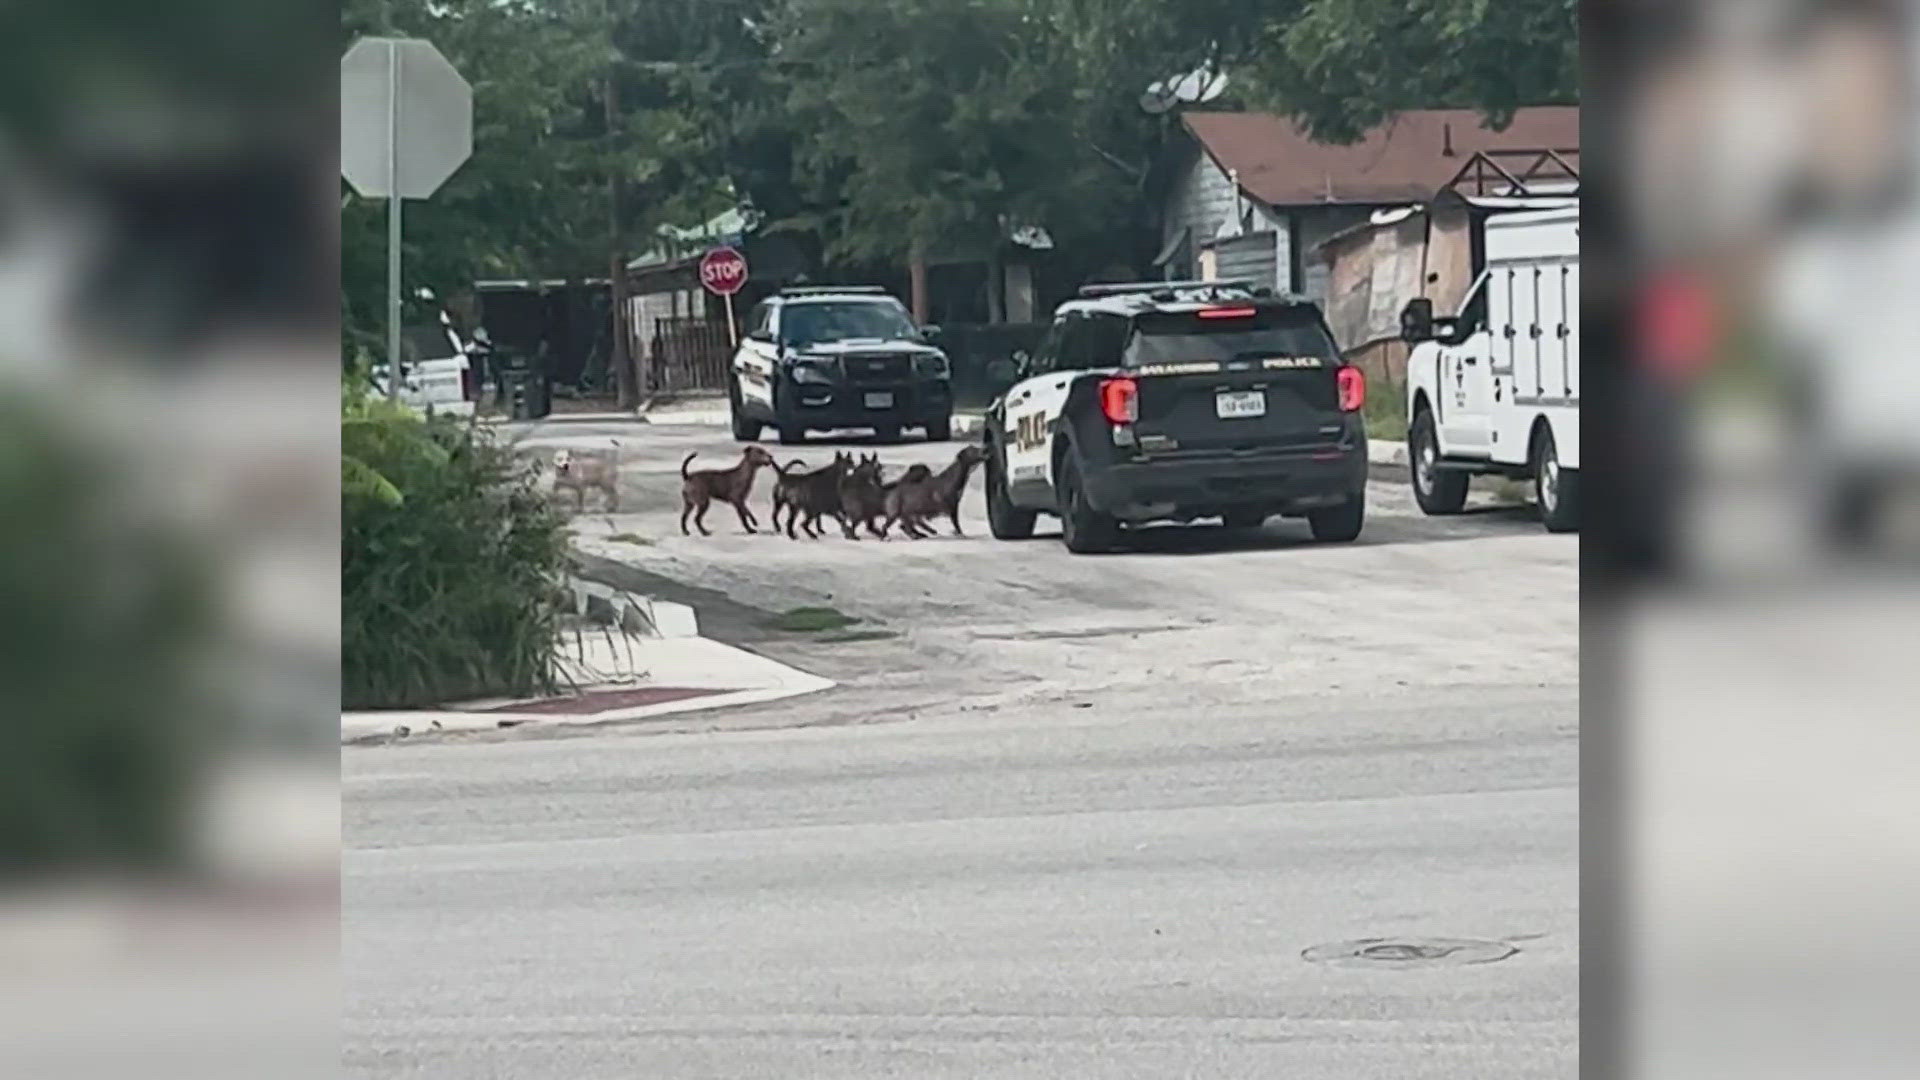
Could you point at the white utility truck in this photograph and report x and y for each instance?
(1495, 388)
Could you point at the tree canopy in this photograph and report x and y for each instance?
(870, 124)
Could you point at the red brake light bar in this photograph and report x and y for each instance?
(1352, 387)
(1120, 400)
(1227, 312)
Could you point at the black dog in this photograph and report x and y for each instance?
(815, 494)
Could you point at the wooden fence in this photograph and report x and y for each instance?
(687, 354)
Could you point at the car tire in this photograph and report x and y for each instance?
(1555, 490)
(1338, 524)
(1085, 530)
(1244, 519)
(940, 430)
(1005, 520)
(1438, 491)
(745, 429)
(792, 434)
(887, 435)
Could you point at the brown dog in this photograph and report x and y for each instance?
(901, 500)
(815, 494)
(864, 496)
(918, 498)
(732, 486)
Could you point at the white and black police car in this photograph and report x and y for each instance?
(1177, 401)
(828, 357)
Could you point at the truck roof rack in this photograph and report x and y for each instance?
(1124, 288)
(826, 290)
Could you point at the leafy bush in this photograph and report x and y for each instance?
(107, 621)
(449, 561)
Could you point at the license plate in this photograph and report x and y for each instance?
(880, 401)
(1235, 404)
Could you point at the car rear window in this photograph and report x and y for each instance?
(1186, 337)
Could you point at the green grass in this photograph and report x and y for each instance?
(1386, 412)
(810, 620)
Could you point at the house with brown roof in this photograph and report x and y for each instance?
(1252, 195)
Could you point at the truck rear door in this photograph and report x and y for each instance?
(1234, 377)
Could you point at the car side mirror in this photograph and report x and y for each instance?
(1416, 320)
(930, 334)
(761, 335)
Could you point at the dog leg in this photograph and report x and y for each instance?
(700, 518)
(955, 515)
(686, 507)
(746, 519)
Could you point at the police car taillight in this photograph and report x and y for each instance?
(1353, 388)
(1227, 312)
(1120, 400)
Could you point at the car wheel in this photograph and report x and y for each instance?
(1555, 489)
(888, 435)
(1245, 519)
(792, 434)
(940, 430)
(744, 428)
(1438, 491)
(1005, 520)
(1085, 531)
(1338, 524)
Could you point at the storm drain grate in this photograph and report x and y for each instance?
(1409, 952)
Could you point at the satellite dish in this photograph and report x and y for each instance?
(1201, 84)
(1158, 99)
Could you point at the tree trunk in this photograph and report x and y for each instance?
(626, 386)
(996, 285)
(917, 275)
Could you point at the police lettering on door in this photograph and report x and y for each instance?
(1030, 431)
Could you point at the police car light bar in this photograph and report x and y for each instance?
(828, 290)
(1126, 288)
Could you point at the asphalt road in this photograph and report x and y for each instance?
(1065, 817)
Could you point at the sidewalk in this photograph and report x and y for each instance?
(663, 667)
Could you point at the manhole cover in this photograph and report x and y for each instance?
(1409, 952)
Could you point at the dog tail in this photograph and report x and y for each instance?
(687, 462)
(796, 463)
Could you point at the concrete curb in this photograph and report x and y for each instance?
(641, 615)
(661, 636)
(742, 678)
(572, 418)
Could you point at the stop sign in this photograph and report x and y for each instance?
(723, 271)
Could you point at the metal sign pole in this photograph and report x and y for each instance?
(733, 332)
(393, 221)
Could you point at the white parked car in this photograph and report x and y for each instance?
(443, 380)
(1495, 388)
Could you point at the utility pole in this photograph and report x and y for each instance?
(917, 278)
(625, 388)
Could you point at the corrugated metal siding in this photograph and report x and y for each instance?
(1249, 256)
(1315, 226)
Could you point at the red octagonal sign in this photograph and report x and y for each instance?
(723, 271)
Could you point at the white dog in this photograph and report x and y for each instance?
(581, 472)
